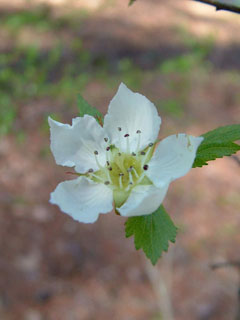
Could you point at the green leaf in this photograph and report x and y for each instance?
(223, 134)
(131, 2)
(85, 108)
(152, 233)
(217, 144)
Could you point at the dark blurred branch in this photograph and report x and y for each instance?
(219, 5)
(225, 264)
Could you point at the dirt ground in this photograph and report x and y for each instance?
(53, 268)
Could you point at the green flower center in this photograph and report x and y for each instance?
(123, 171)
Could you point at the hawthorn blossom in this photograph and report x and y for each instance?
(119, 164)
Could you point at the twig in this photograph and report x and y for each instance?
(225, 264)
(219, 5)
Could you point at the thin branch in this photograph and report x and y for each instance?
(219, 5)
(228, 5)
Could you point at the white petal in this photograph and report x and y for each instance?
(173, 158)
(75, 145)
(131, 112)
(82, 199)
(144, 199)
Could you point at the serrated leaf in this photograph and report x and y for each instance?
(152, 233)
(223, 134)
(85, 108)
(217, 144)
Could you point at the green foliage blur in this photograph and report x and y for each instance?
(48, 65)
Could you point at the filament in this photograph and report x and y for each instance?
(135, 172)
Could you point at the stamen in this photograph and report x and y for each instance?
(119, 129)
(150, 144)
(97, 177)
(90, 170)
(130, 177)
(139, 139)
(128, 147)
(128, 187)
(106, 183)
(135, 172)
(108, 155)
(110, 168)
(108, 175)
(133, 154)
(96, 159)
(145, 167)
(141, 178)
(143, 153)
(146, 156)
(106, 139)
(108, 163)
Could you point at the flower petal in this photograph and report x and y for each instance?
(75, 145)
(144, 199)
(173, 158)
(131, 112)
(83, 199)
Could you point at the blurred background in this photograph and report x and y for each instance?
(185, 58)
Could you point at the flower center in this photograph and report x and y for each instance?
(123, 170)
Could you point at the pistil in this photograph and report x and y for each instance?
(120, 180)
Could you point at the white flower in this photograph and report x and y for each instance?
(118, 163)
